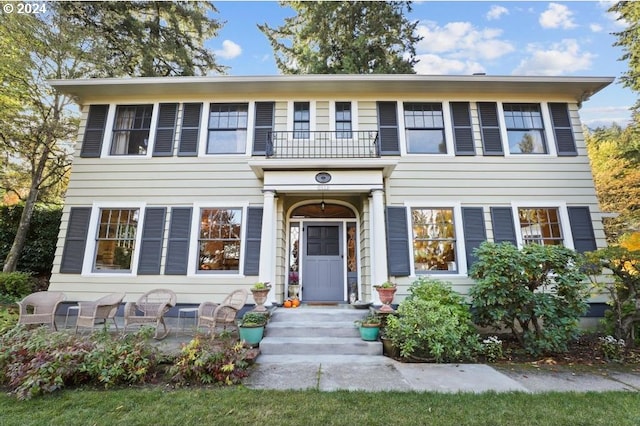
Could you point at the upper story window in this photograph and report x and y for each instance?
(343, 120)
(227, 128)
(525, 128)
(219, 240)
(131, 130)
(301, 120)
(424, 125)
(115, 240)
(434, 240)
(540, 225)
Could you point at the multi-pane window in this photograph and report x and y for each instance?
(131, 129)
(227, 128)
(115, 242)
(434, 240)
(219, 240)
(343, 120)
(525, 128)
(424, 126)
(301, 120)
(540, 226)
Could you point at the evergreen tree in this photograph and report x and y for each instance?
(345, 37)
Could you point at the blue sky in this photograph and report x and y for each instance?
(564, 38)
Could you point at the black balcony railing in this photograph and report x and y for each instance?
(307, 144)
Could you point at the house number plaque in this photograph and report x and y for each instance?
(323, 177)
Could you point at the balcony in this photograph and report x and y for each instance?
(318, 144)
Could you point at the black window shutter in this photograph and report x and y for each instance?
(76, 240)
(503, 225)
(398, 262)
(582, 229)
(152, 238)
(263, 126)
(474, 231)
(388, 128)
(94, 131)
(165, 130)
(491, 139)
(252, 241)
(462, 131)
(178, 241)
(565, 141)
(189, 133)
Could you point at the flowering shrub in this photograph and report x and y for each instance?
(492, 348)
(612, 348)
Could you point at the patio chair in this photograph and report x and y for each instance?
(103, 309)
(40, 308)
(150, 308)
(212, 314)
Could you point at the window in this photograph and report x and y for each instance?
(343, 120)
(115, 242)
(227, 128)
(540, 225)
(131, 129)
(219, 240)
(524, 129)
(424, 125)
(434, 240)
(301, 120)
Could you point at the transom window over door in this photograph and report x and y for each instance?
(525, 129)
(131, 130)
(540, 226)
(115, 242)
(434, 240)
(424, 125)
(227, 128)
(219, 240)
(343, 120)
(301, 120)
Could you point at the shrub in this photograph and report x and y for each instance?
(16, 285)
(433, 322)
(623, 288)
(8, 319)
(538, 293)
(209, 362)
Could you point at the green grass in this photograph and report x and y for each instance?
(241, 406)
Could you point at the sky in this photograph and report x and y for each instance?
(562, 38)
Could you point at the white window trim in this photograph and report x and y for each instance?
(457, 223)
(312, 114)
(108, 131)
(550, 140)
(446, 121)
(192, 264)
(90, 248)
(565, 225)
(204, 130)
(354, 115)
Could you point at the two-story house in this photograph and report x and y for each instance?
(338, 182)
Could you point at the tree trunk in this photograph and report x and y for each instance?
(11, 261)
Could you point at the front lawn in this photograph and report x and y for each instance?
(242, 406)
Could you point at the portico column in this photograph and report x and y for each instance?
(266, 272)
(379, 272)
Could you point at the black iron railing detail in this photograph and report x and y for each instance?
(318, 144)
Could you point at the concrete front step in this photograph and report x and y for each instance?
(319, 346)
(323, 359)
(312, 329)
(317, 315)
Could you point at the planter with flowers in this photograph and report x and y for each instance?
(386, 291)
(294, 285)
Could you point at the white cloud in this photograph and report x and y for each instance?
(461, 40)
(560, 58)
(437, 65)
(229, 50)
(496, 12)
(557, 16)
(595, 28)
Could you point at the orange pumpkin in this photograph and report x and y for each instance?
(288, 303)
(295, 303)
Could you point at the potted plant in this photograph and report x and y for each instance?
(251, 327)
(386, 291)
(294, 285)
(260, 290)
(369, 327)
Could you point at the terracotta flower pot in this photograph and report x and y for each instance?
(386, 297)
(260, 296)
